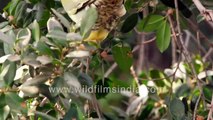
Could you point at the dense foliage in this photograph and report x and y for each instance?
(48, 72)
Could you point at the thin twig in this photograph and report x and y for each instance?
(211, 110)
(196, 106)
(208, 14)
(133, 72)
(110, 70)
(186, 53)
(197, 40)
(208, 55)
(195, 28)
(174, 37)
(142, 53)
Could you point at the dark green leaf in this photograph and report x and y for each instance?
(155, 74)
(102, 88)
(73, 113)
(2, 100)
(207, 91)
(183, 90)
(123, 56)
(146, 111)
(44, 116)
(177, 109)
(150, 23)
(44, 49)
(129, 23)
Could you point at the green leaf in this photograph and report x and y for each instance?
(183, 90)
(57, 34)
(163, 36)
(53, 24)
(15, 102)
(129, 23)
(12, 6)
(123, 56)
(146, 111)
(73, 113)
(3, 24)
(44, 116)
(5, 38)
(88, 21)
(155, 74)
(20, 12)
(150, 23)
(9, 48)
(44, 49)
(4, 112)
(63, 20)
(42, 15)
(128, 4)
(102, 88)
(36, 31)
(2, 100)
(207, 91)
(23, 37)
(8, 72)
(28, 18)
(177, 109)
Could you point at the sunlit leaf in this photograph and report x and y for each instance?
(88, 21)
(57, 34)
(4, 112)
(23, 37)
(53, 24)
(36, 80)
(78, 54)
(5, 38)
(36, 31)
(63, 20)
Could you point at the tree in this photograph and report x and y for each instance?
(154, 63)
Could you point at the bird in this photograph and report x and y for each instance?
(109, 13)
(181, 6)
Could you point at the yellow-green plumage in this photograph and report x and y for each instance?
(109, 12)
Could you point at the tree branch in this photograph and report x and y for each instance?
(207, 14)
